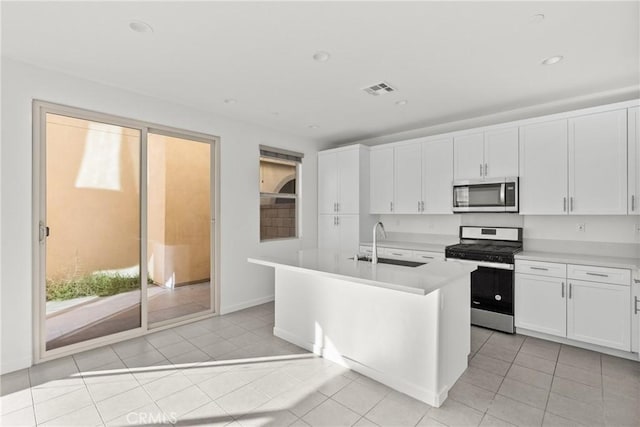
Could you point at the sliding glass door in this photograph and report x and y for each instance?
(125, 232)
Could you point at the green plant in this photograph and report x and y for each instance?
(101, 285)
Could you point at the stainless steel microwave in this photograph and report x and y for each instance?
(487, 195)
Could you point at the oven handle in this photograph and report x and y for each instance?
(497, 265)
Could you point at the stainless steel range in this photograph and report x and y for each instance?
(492, 284)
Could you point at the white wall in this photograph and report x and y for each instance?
(242, 284)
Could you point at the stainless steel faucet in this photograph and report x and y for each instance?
(374, 249)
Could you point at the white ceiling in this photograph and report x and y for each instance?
(449, 60)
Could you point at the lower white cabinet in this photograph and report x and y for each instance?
(590, 311)
(540, 304)
(339, 232)
(598, 313)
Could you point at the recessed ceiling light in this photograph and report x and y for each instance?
(313, 126)
(402, 102)
(321, 56)
(552, 60)
(230, 101)
(537, 18)
(140, 27)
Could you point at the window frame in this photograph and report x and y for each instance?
(266, 195)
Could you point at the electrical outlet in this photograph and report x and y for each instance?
(581, 226)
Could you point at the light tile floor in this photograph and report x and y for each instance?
(230, 370)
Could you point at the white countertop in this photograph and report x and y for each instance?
(413, 246)
(417, 280)
(595, 260)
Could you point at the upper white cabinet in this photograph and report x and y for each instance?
(339, 181)
(543, 168)
(490, 154)
(381, 180)
(408, 178)
(633, 202)
(437, 176)
(576, 166)
(598, 164)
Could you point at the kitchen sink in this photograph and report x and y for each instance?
(392, 261)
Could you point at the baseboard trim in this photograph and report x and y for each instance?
(11, 365)
(399, 384)
(593, 347)
(250, 303)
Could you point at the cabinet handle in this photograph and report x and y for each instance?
(422, 204)
(337, 220)
(390, 206)
(564, 204)
(426, 257)
(636, 280)
(635, 305)
(334, 220)
(480, 169)
(396, 254)
(418, 206)
(539, 268)
(570, 289)
(597, 274)
(633, 203)
(337, 206)
(485, 169)
(571, 204)
(562, 289)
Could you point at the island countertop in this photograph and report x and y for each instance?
(420, 280)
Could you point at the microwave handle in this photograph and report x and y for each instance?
(502, 191)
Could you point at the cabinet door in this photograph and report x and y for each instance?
(349, 182)
(381, 180)
(501, 153)
(540, 304)
(633, 203)
(468, 156)
(328, 233)
(327, 182)
(543, 168)
(598, 164)
(437, 176)
(599, 313)
(408, 179)
(349, 229)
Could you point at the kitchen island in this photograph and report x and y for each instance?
(407, 327)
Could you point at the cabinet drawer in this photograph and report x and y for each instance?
(551, 269)
(368, 250)
(395, 253)
(427, 256)
(616, 276)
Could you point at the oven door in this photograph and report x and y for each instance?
(492, 290)
(484, 196)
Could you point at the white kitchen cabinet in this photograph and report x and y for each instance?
(598, 313)
(598, 164)
(468, 155)
(339, 181)
(633, 151)
(543, 168)
(437, 176)
(501, 153)
(339, 232)
(540, 303)
(343, 197)
(491, 154)
(381, 197)
(408, 178)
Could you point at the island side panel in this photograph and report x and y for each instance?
(454, 334)
(389, 335)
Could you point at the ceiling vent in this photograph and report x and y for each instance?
(379, 89)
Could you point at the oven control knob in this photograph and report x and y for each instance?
(498, 297)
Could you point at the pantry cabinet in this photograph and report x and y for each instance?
(633, 143)
(490, 154)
